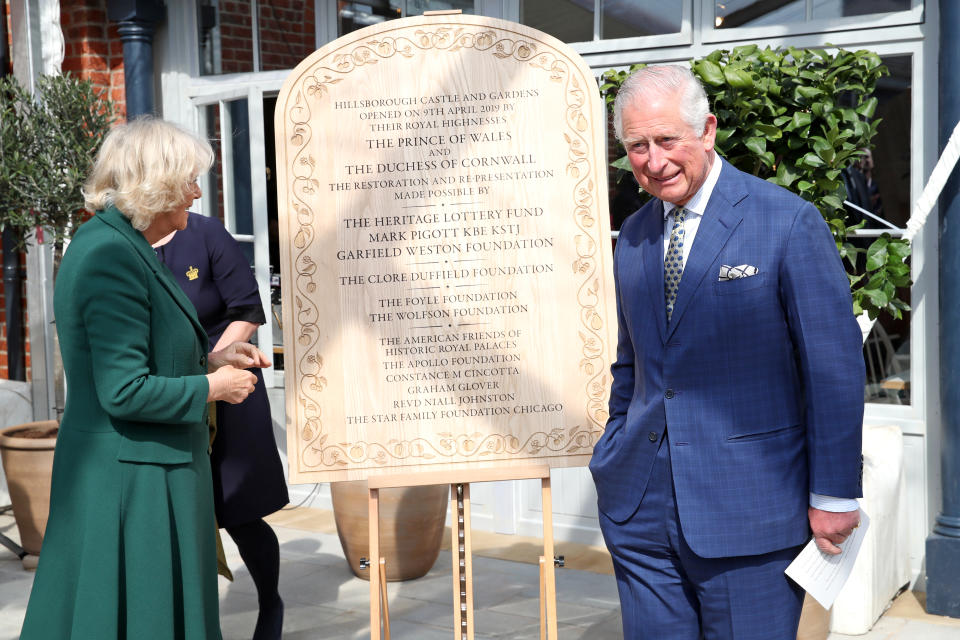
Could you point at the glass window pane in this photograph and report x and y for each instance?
(273, 227)
(213, 193)
(417, 7)
(242, 194)
(226, 37)
(885, 173)
(566, 20)
(844, 8)
(288, 34)
(357, 15)
(886, 169)
(739, 13)
(239, 161)
(634, 18)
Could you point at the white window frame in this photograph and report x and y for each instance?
(683, 37)
(214, 91)
(811, 26)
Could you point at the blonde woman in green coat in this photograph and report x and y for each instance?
(130, 549)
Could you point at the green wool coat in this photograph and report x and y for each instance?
(129, 550)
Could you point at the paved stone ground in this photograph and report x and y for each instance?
(324, 600)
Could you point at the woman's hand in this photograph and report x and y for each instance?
(241, 355)
(230, 384)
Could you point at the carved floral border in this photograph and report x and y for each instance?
(316, 84)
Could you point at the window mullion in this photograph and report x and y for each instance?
(598, 20)
(255, 33)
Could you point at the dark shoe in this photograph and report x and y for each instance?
(269, 622)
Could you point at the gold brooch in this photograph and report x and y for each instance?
(192, 273)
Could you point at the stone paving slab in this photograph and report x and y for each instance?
(324, 600)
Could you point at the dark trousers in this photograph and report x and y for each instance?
(668, 592)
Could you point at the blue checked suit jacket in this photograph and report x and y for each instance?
(758, 381)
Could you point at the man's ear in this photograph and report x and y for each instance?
(709, 132)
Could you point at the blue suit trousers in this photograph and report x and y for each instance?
(669, 593)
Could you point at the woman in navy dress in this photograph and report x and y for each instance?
(248, 480)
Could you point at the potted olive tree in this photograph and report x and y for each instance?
(48, 141)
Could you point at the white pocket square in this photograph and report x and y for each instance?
(734, 273)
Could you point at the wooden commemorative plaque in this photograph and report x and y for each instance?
(445, 251)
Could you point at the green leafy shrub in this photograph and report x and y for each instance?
(798, 118)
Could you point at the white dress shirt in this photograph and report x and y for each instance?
(696, 207)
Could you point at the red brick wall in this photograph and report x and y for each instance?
(287, 34)
(4, 369)
(5, 15)
(93, 48)
(287, 31)
(4, 353)
(236, 37)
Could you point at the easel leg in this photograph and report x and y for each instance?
(373, 511)
(468, 559)
(543, 601)
(459, 578)
(13, 546)
(7, 542)
(462, 562)
(384, 601)
(460, 543)
(550, 603)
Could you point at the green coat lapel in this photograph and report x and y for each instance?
(113, 217)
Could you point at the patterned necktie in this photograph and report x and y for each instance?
(673, 261)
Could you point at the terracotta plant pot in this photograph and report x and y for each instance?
(27, 453)
(411, 526)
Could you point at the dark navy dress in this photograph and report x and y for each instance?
(248, 481)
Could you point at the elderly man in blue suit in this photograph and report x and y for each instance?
(737, 399)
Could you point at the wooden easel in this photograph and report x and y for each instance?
(459, 482)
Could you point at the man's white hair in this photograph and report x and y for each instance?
(664, 80)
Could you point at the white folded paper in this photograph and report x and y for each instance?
(823, 575)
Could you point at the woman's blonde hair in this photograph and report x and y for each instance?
(146, 167)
